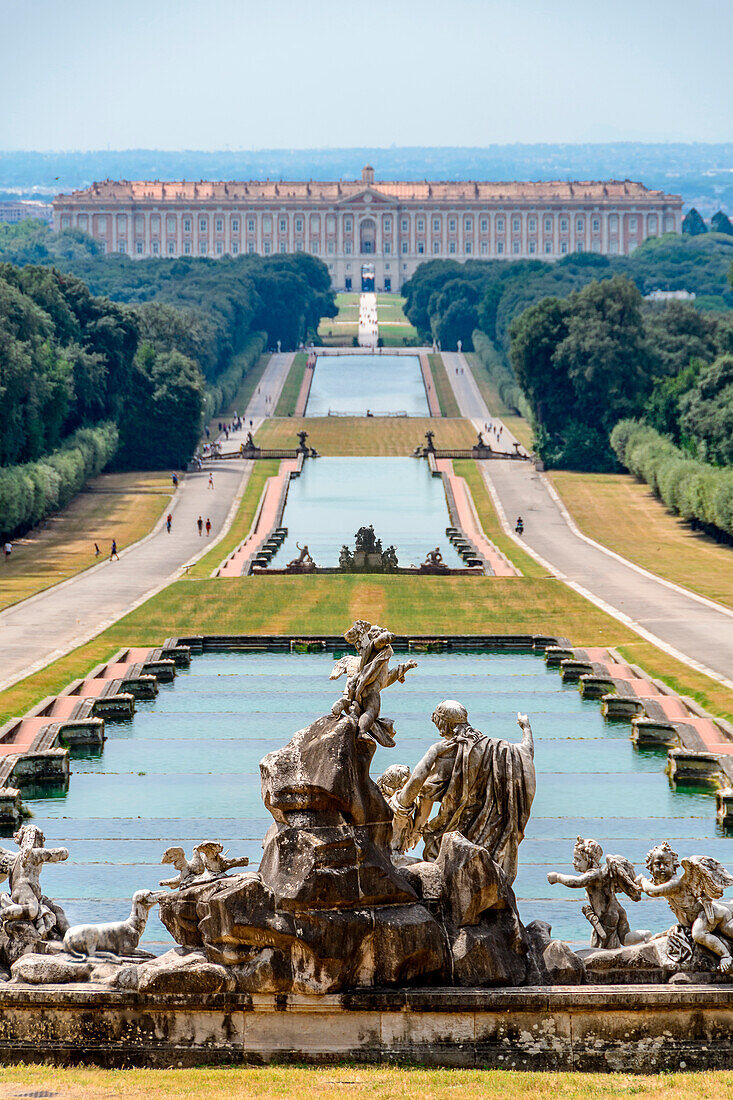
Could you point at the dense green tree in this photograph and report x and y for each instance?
(693, 223)
(721, 223)
(707, 412)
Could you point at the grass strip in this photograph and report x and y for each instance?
(443, 388)
(367, 436)
(291, 387)
(263, 468)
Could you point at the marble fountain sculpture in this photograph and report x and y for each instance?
(340, 901)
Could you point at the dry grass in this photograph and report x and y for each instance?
(120, 506)
(345, 1080)
(291, 387)
(375, 436)
(625, 516)
(443, 388)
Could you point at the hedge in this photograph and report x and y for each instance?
(32, 491)
(223, 391)
(501, 375)
(701, 493)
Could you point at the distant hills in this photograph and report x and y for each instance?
(701, 173)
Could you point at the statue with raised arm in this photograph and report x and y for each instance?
(25, 904)
(485, 787)
(694, 895)
(368, 674)
(601, 883)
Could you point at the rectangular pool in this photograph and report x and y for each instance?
(186, 768)
(334, 497)
(363, 384)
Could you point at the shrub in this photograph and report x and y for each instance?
(501, 375)
(224, 390)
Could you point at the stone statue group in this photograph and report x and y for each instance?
(338, 901)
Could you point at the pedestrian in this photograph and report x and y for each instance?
(211, 481)
(251, 423)
(208, 433)
(174, 479)
(113, 551)
(168, 523)
(96, 550)
(208, 526)
(200, 524)
(220, 427)
(7, 550)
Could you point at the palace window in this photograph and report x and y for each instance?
(267, 248)
(387, 225)
(203, 247)
(633, 223)
(404, 246)
(421, 247)
(267, 224)
(283, 246)
(484, 225)
(596, 223)
(122, 246)
(187, 248)
(484, 248)
(532, 225)
(452, 247)
(348, 225)
(387, 247)
(652, 223)
(436, 246)
(65, 221)
(235, 225)
(467, 248)
(516, 225)
(436, 225)
(452, 224)
(580, 225)
(500, 225)
(347, 248)
(235, 248)
(202, 225)
(500, 247)
(421, 225)
(283, 225)
(331, 247)
(613, 246)
(533, 246)
(315, 247)
(579, 247)
(613, 223)
(219, 225)
(515, 247)
(564, 247)
(139, 247)
(171, 248)
(548, 225)
(250, 247)
(156, 248)
(563, 225)
(386, 267)
(468, 225)
(331, 223)
(405, 225)
(548, 246)
(186, 225)
(668, 223)
(219, 248)
(250, 225)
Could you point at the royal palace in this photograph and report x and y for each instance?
(371, 234)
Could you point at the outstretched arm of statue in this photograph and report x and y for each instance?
(52, 855)
(661, 889)
(574, 881)
(527, 742)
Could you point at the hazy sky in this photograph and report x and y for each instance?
(213, 74)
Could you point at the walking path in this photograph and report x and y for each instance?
(368, 323)
(49, 624)
(683, 624)
(427, 377)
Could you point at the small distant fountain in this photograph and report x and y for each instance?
(368, 555)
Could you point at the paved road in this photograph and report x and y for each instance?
(693, 629)
(44, 627)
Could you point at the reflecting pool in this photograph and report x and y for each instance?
(186, 768)
(334, 497)
(360, 384)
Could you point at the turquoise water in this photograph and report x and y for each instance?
(334, 497)
(360, 383)
(186, 768)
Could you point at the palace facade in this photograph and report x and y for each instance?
(371, 234)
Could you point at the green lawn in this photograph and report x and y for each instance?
(334, 1082)
(291, 387)
(443, 388)
(379, 436)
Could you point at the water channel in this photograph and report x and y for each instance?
(363, 384)
(186, 768)
(334, 497)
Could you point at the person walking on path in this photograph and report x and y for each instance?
(208, 526)
(7, 550)
(96, 550)
(113, 551)
(211, 481)
(200, 524)
(168, 523)
(174, 479)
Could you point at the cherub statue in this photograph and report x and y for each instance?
(485, 787)
(693, 894)
(214, 858)
(368, 675)
(25, 901)
(604, 911)
(393, 779)
(188, 870)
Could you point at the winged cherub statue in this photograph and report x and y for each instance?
(601, 884)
